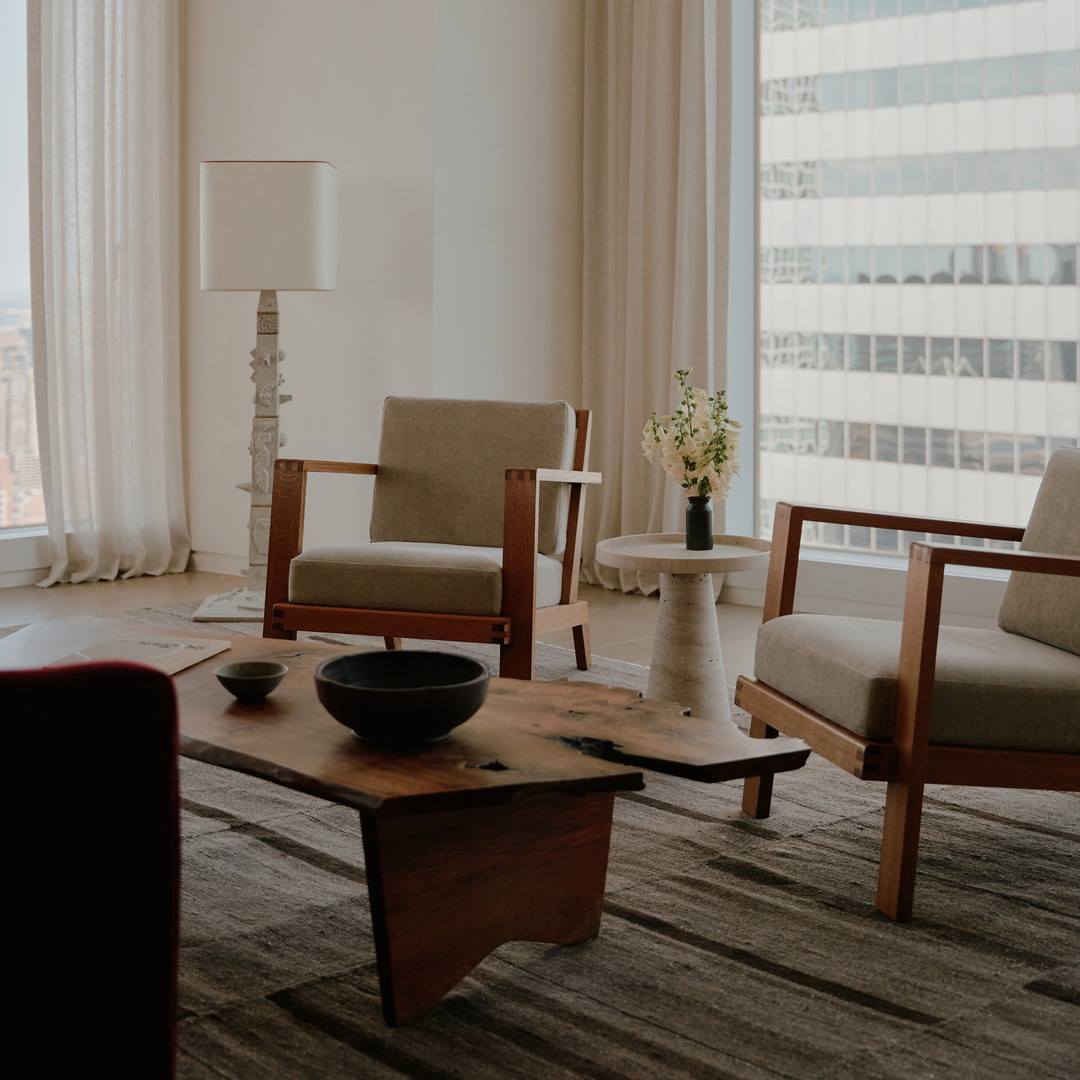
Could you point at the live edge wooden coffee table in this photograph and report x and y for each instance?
(499, 833)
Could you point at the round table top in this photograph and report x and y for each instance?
(667, 553)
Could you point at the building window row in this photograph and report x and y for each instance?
(799, 14)
(995, 358)
(921, 84)
(997, 170)
(920, 264)
(945, 448)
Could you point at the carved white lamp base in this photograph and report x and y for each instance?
(246, 604)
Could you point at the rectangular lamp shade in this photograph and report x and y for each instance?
(268, 225)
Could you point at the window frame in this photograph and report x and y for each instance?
(831, 581)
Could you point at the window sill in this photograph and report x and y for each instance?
(872, 586)
(24, 556)
(895, 563)
(23, 532)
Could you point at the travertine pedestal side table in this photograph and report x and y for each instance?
(687, 664)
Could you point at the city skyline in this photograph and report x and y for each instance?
(919, 174)
(22, 500)
(21, 497)
(14, 195)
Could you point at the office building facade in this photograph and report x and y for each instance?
(919, 205)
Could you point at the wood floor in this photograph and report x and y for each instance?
(622, 625)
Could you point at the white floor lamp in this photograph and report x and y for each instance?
(265, 226)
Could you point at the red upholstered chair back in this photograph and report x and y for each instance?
(92, 783)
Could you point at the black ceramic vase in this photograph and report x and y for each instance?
(699, 523)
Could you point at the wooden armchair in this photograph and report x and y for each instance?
(916, 703)
(475, 532)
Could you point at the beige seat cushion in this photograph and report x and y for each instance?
(992, 689)
(443, 462)
(1042, 606)
(444, 578)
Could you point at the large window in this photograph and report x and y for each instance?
(20, 467)
(918, 256)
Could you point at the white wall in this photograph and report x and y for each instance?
(338, 80)
(455, 126)
(508, 130)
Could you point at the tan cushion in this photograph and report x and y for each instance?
(442, 578)
(442, 465)
(1042, 606)
(992, 689)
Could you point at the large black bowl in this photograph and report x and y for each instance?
(401, 695)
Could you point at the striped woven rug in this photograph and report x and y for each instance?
(729, 948)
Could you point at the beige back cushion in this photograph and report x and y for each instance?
(442, 465)
(1044, 606)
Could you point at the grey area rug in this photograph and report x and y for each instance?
(729, 948)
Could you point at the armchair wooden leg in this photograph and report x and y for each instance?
(757, 790)
(392, 642)
(581, 646)
(900, 849)
(517, 660)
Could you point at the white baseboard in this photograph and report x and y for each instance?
(10, 579)
(216, 563)
(874, 590)
(25, 557)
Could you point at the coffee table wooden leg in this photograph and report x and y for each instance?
(448, 887)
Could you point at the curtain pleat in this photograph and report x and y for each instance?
(105, 250)
(656, 164)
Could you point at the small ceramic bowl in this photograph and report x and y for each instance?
(401, 695)
(251, 680)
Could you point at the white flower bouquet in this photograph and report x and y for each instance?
(699, 445)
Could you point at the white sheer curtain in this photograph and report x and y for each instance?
(105, 252)
(656, 193)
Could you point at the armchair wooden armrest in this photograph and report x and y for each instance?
(288, 504)
(787, 541)
(563, 476)
(914, 703)
(908, 761)
(994, 730)
(922, 619)
(520, 536)
(479, 597)
(304, 465)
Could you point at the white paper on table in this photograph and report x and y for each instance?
(164, 653)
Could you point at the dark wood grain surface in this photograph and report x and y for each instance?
(528, 736)
(480, 820)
